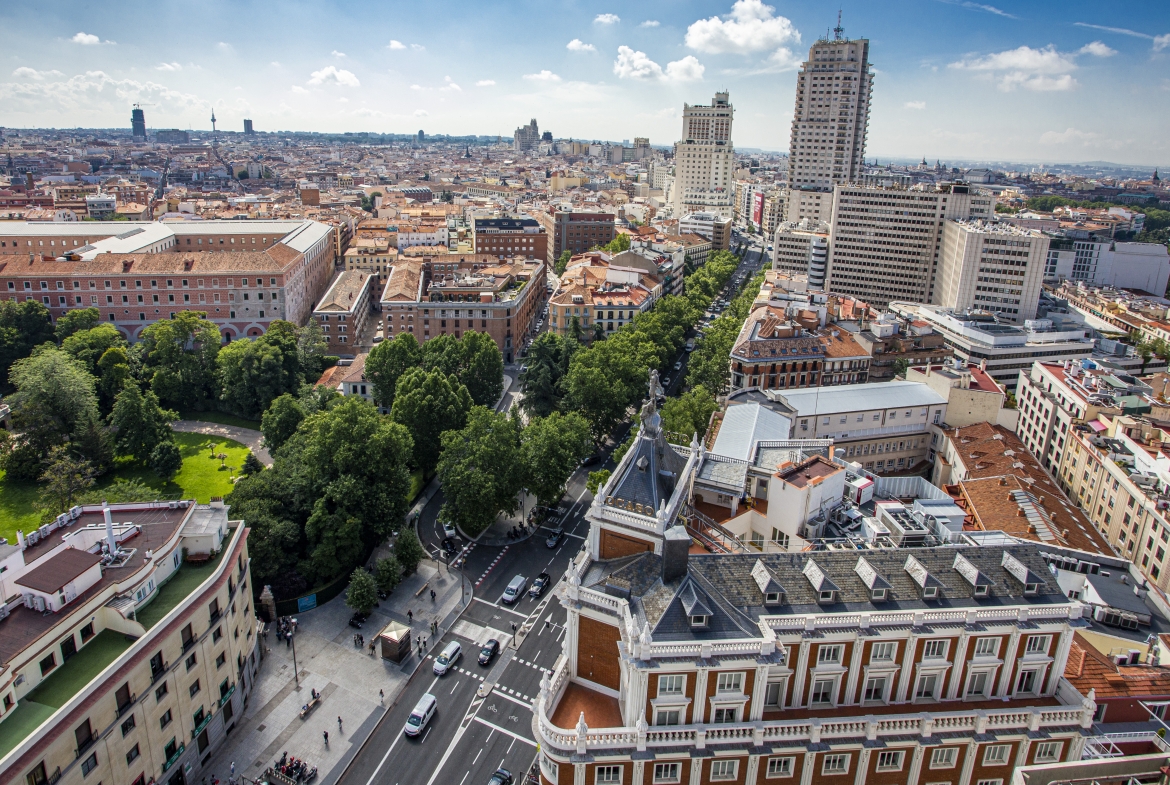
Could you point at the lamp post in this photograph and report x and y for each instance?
(296, 671)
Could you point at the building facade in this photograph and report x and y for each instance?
(704, 160)
(575, 231)
(506, 238)
(345, 310)
(802, 248)
(992, 267)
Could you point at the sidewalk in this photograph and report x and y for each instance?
(496, 535)
(347, 676)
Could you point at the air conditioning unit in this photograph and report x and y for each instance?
(173, 505)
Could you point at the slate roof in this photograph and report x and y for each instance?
(724, 584)
(650, 476)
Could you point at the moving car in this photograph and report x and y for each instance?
(501, 777)
(591, 459)
(447, 657)
(449, 530)
(677, 365)
(420, 715)
(489, 652)
(540, 584)
(554, 538)
(515, 589)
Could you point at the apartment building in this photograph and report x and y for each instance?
(991, 267)
(575, 230)
(704, 160)
(884, 244)
(107, 591)
(772, 352)
(712, 226)
(372, 256)
(345, 310)
(506, 238)
(429, 233)
(448, 294)
(603, 293)
(802, 248)
(912, 666)
(889, 339)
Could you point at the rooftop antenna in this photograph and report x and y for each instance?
(838, 30)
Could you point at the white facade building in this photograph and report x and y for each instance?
(802, 247)
(704, 159)
(992, 267)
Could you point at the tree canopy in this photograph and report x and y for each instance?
(550, 449)
(428, 403)
(388, 361)
(22, 326)
(481, 470)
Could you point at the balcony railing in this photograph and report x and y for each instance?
(227, 696)
(171, 761)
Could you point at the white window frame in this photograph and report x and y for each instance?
(729, 683)
(672, 678)
(658, 712)
(667, 773)
(891, 760)
(944, 757)
(880, 648)
(779, 768)
(987, 643)
(881, 698)
(1041, 646)
(996, 754)
(716, 709)
(832, 692)
(987, 680)
(1036, 681)
(597, 775)
(837, 648)
(935, 649)
(729, 770)
(918, 683)
(1056, 747)
(841, 757)
(989, 782)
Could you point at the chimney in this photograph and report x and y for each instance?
(676, 545)
(113, 546)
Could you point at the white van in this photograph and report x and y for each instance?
(421, 715)
(515, 589)
(446, 659)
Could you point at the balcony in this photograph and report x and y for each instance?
(171, 761)
(227, 696)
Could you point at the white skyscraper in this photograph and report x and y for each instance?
(703, 160)
(829, 124)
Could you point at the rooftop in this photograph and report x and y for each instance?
(859, 397)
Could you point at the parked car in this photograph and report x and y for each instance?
(540, 584)
(554, 538)
(489, 652)
(357, 620)
(420, 715)
(515, 589)
(501, 777)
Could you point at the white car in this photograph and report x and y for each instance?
(449, 530)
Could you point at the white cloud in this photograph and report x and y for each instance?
(224, 46)
(1161, 42)
(395, 44)
(331, 74)
(1097, 49)
(784, 59)
(1040, 83)
(299, 90)
(416, 87)
(543, 76)
(365, 111)
(418, 47)
(980, 7)
(577, 45)
(485, 83)
(1069, 135)
(632, 64)
(86, 39)
(421, 113)
(93, 94)
(1040, 70)
(607, 19)
(915, 104)
(24, 72)
(343, 100)
(336, 53)
(168, 67)
(650, 23)
(750, 27)
(451, 86)
(275, 64)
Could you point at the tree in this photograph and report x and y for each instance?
(618, 244)
(900, 366)
(408, 550)
(179, 359)
(362, 592)
(546, 364)
(64, 479)
(318, 398)
(140, 424)
(281, 421)
(562, 263)
(596, 480)
(482, 369)
(75, 321)
(252, 465)
(22, 326)
(690, 412)
(550, 450)
(591, 392)
(89, 345)
(481, 470)
(428, 403)
(388, 361)
(165, 460)
(388, 573)
(55, 403)
(251, 374)
(311, 348)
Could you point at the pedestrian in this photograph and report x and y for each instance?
(233, 768)
(432, 595)
(326, 738)
(288, 640)
(381, 696)
(410, 616)
(338, 723)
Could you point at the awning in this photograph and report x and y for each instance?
(1098, 426)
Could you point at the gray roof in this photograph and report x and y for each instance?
(745, 425)
(651, 473)
(860, 397)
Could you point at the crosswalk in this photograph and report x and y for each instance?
(531, 665)
(458, 669)
(491, 566)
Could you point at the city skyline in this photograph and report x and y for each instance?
(953, 79)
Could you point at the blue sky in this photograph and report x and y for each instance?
(1026, 81)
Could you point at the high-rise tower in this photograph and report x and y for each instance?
(213, 121)
(704, 159)
(829, 125)
(137, 122)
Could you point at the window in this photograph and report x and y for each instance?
(86, 632)
(220, 660)
(935, 650)
(943, 757)
(1048, 751)
(666, 772)
(977, 685)
(668, 717)
(780, 767)
(1037, 644)
(724, 770)
(890, 760)
(1027, 682)
(987, 647)
(829, 655)
(883, 652)
(926, 687)
(132, 754)
(672, 685)
(835, 764)
(191, 661)
(48, 663)
(729, 682)
(128, 725)
(194, 688)
(875, 689)
(822, 691)
(607, 775)
(725, 715)
(89, 764)
(161, 692)
(996, 754)
(165, 719)
(772, 694)
(989, 782)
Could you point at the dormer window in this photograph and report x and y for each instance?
(930, 592)
(1031, 588)
(980, 590)
(773, 598)
(825, 596)
(699, 621)
(878, 595)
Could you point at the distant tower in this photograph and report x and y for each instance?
(138, 121)
(421, 136)
(248, 128)
(212, 121)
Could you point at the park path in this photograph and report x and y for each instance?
(254, 440)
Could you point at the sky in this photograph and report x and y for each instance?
(1024, 80)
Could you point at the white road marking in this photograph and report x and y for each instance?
(503, 731)
(477, 754)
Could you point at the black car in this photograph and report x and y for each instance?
(554, 538)
(357, 620)
(489, 652)
(540, 584)
(595, 458)
(449, 547)
(501, 777)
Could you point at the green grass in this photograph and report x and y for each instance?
(417, 483)
(221, 418)
(181, 584)
(199, 479)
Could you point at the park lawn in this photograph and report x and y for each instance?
(221, 418)
(417, 483)
(199, 479)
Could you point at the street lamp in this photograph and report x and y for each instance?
(296, 671)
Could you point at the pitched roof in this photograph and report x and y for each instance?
(58, 571)
(1089, 669)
